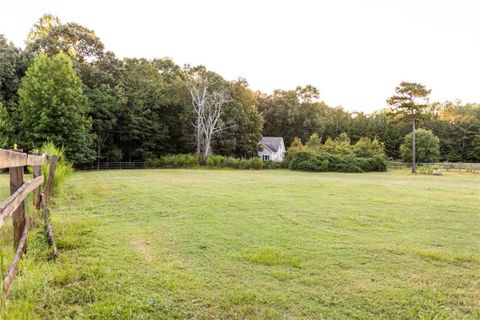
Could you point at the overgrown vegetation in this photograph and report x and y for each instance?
(213, 162)
(337, 155)
(63, 169)
(224, 244)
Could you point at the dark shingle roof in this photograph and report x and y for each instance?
(272, 143)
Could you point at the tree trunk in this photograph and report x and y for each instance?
(208, 149)
(198, 134)
(414, 163)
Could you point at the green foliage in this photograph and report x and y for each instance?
(427, 150)
(292, 113)
(313, 144)
(140, 108)
(372, 148)
(53, 108)
(295, 148)
(213, 162)
(175, 161)
(63, 169)
(338, 155)
(245, 123)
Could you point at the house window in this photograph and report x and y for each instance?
(266, 157)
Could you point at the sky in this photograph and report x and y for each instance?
(354, 51)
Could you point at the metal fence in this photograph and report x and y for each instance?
(447, 166)
(112, 165)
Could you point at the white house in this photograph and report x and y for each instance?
(273, 149)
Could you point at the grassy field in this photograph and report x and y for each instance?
(272, 244)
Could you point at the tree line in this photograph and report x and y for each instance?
(65, 88)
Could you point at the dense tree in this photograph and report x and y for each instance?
(141, 108)
(42, 27)
(428, 146)
(242, 139)
(13, 63)
(50, 36)
(291, 114)
(53, 108)
(142, 131)
(103, 86)
(410, 100)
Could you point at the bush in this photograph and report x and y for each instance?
(175, 161)
(64, 167)
(338, 155)
(213, 162)
(323, 162)
(427, 147)
(275, 164)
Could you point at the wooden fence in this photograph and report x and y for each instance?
(14, 205)
(447, 166)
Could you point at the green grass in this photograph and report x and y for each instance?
(203, 244)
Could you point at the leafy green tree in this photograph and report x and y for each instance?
(43, 26)
(53, 108)
(13, 64)
(142, 129)
(314, 144)
(410, 100)
(292, 113)
(369, 148)
(295, 148)
(340, 145)
(428, 146)
(243, 137)
(103, 87)
(50, 36)
(474, 151)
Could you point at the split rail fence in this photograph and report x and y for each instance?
(14, 205)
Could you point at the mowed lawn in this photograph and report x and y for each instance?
(271, 244)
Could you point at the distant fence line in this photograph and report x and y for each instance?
(112, 165)
(447, 166)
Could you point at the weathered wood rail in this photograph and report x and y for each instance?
(14, 205)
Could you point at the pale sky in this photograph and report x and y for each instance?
(354, 51)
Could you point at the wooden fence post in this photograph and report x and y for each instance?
(51, 176)
(37, 172)
(16, 181)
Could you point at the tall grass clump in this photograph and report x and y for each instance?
(64, 167)
(212, 162)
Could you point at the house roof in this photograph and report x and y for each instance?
(272, 143)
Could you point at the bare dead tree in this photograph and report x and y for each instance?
(208, 106)
(198, 89)
(212, 123)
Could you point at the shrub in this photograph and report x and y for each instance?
(427, 147)
(214, 162)
(175, 161)
(295, 148)
(64, 167)
(322, 162)
(275, 164)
